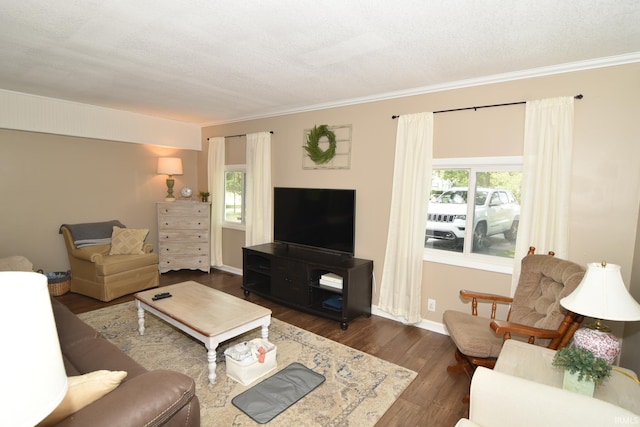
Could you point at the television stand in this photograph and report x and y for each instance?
(304, 251)
(294, 277)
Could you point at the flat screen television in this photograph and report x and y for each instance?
(315, 218)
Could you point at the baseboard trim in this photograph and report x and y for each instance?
(429, 325)
(228, 269)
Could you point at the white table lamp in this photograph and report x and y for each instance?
(170, 166)
(601, 295)
(34, 380)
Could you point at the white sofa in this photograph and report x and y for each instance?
(15, 263)
(499, 399)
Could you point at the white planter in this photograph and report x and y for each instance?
(572, 383)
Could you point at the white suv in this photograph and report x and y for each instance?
(496, 211)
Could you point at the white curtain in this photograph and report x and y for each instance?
(258, 206)
(400, 291)
(215, 168)
(546, 180)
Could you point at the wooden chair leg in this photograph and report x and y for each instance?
(462, 365)
(459, 366)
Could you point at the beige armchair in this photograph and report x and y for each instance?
(98, 274)
(535, 314)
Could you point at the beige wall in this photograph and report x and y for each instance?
(606, 176)
(49, 180)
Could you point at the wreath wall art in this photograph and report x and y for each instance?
(327, 147)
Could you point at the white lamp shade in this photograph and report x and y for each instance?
(34, 380)
(170, 166)
(603, 295)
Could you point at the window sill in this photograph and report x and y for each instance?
(232, 226)
(475, 261)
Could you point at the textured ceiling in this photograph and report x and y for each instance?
(209, 61)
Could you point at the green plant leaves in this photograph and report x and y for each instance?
(317, 154)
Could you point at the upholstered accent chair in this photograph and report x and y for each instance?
(535, 314)
(100, 271)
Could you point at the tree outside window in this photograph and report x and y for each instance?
(234, 185)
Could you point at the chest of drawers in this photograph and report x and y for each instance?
(183, 236)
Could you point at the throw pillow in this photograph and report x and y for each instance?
(127, 241)
(84, 390)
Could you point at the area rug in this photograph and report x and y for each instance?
(358, 390)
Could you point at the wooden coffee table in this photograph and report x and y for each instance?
(208, 315)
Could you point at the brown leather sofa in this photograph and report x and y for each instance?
(144, 398)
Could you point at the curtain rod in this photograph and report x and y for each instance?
(579, 96)
(242, 134)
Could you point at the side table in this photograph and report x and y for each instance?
(534, 363)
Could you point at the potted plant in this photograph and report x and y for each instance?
(204, 196)
(583, 371)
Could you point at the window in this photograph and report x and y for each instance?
(234, 196)
(484, 232)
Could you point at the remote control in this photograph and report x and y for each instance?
(162, 294)
(157, 297)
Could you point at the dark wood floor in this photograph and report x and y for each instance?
(434, 398)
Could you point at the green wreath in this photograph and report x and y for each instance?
(314, 151)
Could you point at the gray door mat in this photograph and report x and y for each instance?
(272, 396)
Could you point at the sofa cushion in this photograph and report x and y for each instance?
(84, 390)
(114, 264)
(156, 398)
(544, 281)
(86, 350)
(127, 241)
(470, 334)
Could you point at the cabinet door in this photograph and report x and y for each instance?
(290, 282)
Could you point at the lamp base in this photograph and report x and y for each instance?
(602, 344)
(170, 183)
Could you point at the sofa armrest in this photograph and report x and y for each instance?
(505, 328)
(147, 248)
(481, 296)
(149, 399)
(498, 399)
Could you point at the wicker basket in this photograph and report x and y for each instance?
(58, 282)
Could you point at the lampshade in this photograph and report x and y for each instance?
(169, 166)
(603, 295)
(34, 380)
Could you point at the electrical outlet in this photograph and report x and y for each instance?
(431, 305)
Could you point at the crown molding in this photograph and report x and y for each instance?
(571, 67)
